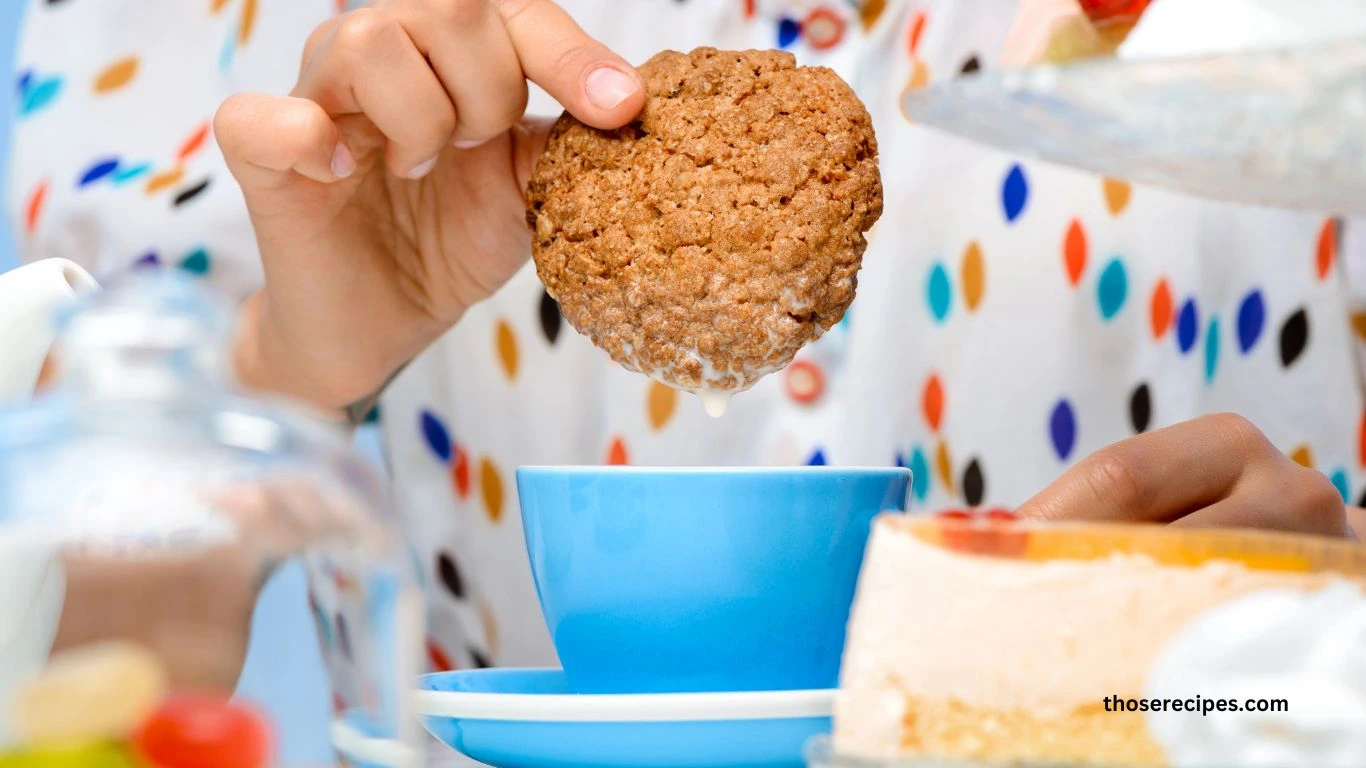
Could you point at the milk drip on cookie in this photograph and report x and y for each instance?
(708, 241)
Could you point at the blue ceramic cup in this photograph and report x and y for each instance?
(658, 580)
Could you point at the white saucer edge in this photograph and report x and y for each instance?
(627, 708)
(356, 746)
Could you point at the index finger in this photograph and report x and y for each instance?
(1157, 476)
(597, 86)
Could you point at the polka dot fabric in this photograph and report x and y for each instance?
(1012, 316)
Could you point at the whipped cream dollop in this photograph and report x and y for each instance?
(1305, 648)
(1190, 28)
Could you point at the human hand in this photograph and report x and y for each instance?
(1214, 471)
(386, 190)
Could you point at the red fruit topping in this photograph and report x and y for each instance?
(1104, 10)
(1001, 515)
(204, 732)
(985, 534)
(953, 514)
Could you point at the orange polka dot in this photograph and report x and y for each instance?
(460, 472)
(1359, 325)
(1303, 456)
(1074, 251)
(217, 5)
(1327, 250)
(491, 487)
(164, 180)
(116, 75)
(943, 466)
(932, 401)
(973, 275)
(506, 343)
(33, 209)
(1160, 309)
(1116, 195)
(616, 454)
(248, 23)
(917, 29)
(870, 11)
(661, 401)
(490, 627)
(193, 143)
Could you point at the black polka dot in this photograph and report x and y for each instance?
(1294, 337)
(1361, 502)
(551, 321)
(449, 573)
(970, 66)
(1141, 408)
(343, 636)
(372, 417)
(974, 484)
(479, 660)
(190, 193)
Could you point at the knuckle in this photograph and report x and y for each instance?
(1241, 433)
(1115, 482)
(511, 9)
(573, 57)
(460, 13)
(363, 29)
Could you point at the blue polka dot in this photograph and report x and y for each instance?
(1251, 320)
(123, 175)
(938, 292)
(196, 262)
(1211, 348)
(438, 439)
(39, 94)
(900, 460)
(149, 259)
(920, 474)
(1112, 289)
(1339, 478)
(788, 31)
(1014, 193)
(1062, 428)
(1187, 326)
(816, 459)
(97, 171)
(24, 81)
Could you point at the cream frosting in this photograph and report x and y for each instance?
(1007, 634)
(1181, 28)
(1308, 649)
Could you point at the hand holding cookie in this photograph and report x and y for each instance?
(386, 190)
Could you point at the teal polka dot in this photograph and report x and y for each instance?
(920, 474)
(197, 262)
(938, 292)
(39, 94)
(1112, 289)
(1211, 348)
(1339, 478)
(125, 174)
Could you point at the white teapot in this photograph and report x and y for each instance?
(31, 582)
(30, 299)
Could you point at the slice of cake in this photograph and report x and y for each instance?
(983, 638)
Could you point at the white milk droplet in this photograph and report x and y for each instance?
(715, 403)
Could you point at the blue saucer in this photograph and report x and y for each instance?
(530, 718)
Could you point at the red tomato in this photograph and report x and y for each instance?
(204, 732)
(1102, 10)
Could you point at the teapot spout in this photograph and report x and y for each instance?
(30, 299)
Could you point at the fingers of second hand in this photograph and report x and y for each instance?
(263, 136)
(370, 65)
(594, 84)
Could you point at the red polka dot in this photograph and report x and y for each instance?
(932, 402)
(193, 143)
(437, 657)
(616, 455)
(1160, 309)
(917, 29)
(1074, 251)
(460, 472)
(823, 29)
(1327, 248)
(749, 9)
(33, 209)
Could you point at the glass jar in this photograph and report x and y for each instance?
(142, 506)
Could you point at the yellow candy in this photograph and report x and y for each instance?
(103, 755)
(94, 693)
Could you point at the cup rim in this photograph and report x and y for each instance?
(624, 469)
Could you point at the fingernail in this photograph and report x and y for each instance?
(343, 162)
(423, 168)
(607, 88)
(469, 143)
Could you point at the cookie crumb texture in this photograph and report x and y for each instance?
(705, 243)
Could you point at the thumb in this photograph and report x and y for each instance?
(529, 139)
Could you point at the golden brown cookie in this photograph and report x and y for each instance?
(706, 242)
